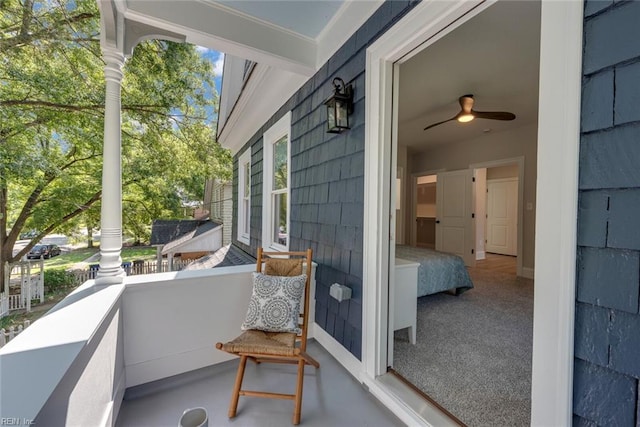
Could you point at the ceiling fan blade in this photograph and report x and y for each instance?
(494, 115)
(439, 123)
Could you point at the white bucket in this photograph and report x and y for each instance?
(194, 417)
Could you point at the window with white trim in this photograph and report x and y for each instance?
(244, 197)
(275, 195)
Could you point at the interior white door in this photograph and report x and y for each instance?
(502, 216)
(455, 231)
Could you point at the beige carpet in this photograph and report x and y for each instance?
(473, 352)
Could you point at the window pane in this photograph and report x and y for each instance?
(247, 179)
(280, 164)
(280, 232)
(246, 213)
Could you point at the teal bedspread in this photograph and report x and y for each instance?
(438, 271)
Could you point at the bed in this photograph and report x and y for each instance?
(438, 271)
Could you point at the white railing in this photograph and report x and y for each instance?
(133, 269)
(12, 332)
(117, 334)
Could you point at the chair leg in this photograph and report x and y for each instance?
(236, 388)
(298, 400)
(310, 360)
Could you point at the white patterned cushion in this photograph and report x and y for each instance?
(275, 303)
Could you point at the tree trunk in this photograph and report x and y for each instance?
(89, 236)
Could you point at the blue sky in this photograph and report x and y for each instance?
(217, 59)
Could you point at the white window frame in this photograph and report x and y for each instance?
(241, 235)
(282, 128)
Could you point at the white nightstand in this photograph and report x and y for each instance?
(405, 297)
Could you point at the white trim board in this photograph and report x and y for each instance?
(558, 138)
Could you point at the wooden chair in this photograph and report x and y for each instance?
(275, 347)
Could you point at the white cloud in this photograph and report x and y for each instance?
(201, 49)
(217, 65)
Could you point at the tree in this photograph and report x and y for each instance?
(52, 118)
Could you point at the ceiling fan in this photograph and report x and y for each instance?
(467, 113)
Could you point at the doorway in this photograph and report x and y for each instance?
(449, 351)
(557, 149)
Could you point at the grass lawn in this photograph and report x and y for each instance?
(67, 259)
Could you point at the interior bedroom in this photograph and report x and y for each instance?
(465, 217)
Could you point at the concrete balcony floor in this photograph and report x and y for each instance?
(331, 397)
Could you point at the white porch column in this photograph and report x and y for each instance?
(111, 271)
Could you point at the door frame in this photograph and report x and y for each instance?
(519, 161)
(557, 194)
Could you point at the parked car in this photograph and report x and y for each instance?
(28, 235)
(43, 251)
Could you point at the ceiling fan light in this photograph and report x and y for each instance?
(464, 118)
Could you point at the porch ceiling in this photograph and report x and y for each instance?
(294, 35)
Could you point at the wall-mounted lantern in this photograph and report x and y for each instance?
(339, 106)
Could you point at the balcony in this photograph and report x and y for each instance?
(142, 352)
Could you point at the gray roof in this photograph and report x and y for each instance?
(226, 256)
(200, 230)
(164, 231)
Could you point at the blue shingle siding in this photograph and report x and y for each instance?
(608, 278)
(593, 326)
(581, 422)
(607, 326)
(597, 101)
(327, 180)
(611, 38)
(604, 396)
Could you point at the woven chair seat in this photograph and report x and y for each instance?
(272, 343)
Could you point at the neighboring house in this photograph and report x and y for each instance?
(185, 239)
(218, 202)
(296, 186)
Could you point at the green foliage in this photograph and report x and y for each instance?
(58, 279)
(52, 121)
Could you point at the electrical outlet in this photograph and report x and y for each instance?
(340, 292)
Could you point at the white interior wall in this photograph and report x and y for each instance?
(502, 172)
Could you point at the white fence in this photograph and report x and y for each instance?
(4, 305)
(8, 335)
(28, 277)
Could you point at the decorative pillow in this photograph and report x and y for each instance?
(275, 303)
